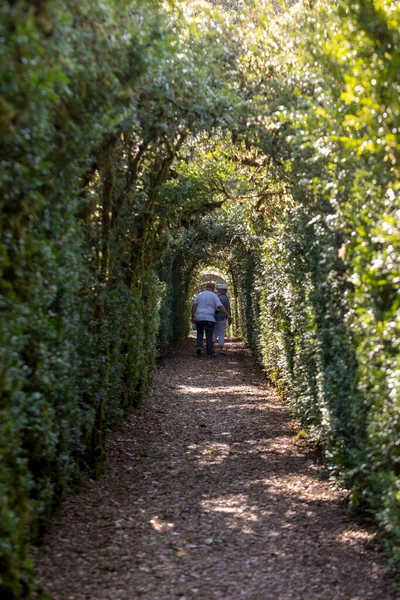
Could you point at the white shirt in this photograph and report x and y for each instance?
(207, 303)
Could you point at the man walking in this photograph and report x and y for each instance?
(220, 317)
(203, 310)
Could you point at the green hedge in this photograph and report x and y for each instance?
(66, 75)
(331, 271)
(122, 125)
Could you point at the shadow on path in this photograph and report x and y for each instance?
(209, 496)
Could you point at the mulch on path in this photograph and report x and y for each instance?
(208, 495)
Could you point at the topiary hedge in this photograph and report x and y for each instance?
(122, 125)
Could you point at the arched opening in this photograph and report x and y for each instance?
(216, 250)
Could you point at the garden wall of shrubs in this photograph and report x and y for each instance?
(122, 125)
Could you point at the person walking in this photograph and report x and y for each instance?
(204, 307)
(220, 317)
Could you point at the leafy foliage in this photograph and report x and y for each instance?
(143, 140)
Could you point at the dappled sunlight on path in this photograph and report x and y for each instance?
(209, 495)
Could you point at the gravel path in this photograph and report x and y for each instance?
(208, 495)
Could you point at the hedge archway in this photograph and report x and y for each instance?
(140, 139)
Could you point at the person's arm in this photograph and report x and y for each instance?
(223, 309)
(226, 313)
(194, 308)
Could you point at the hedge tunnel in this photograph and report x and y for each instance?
(143, 143)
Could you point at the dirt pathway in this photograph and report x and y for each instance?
(208, 496)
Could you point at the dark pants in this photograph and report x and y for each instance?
(208, 327)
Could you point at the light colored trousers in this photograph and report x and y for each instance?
(219, 332)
